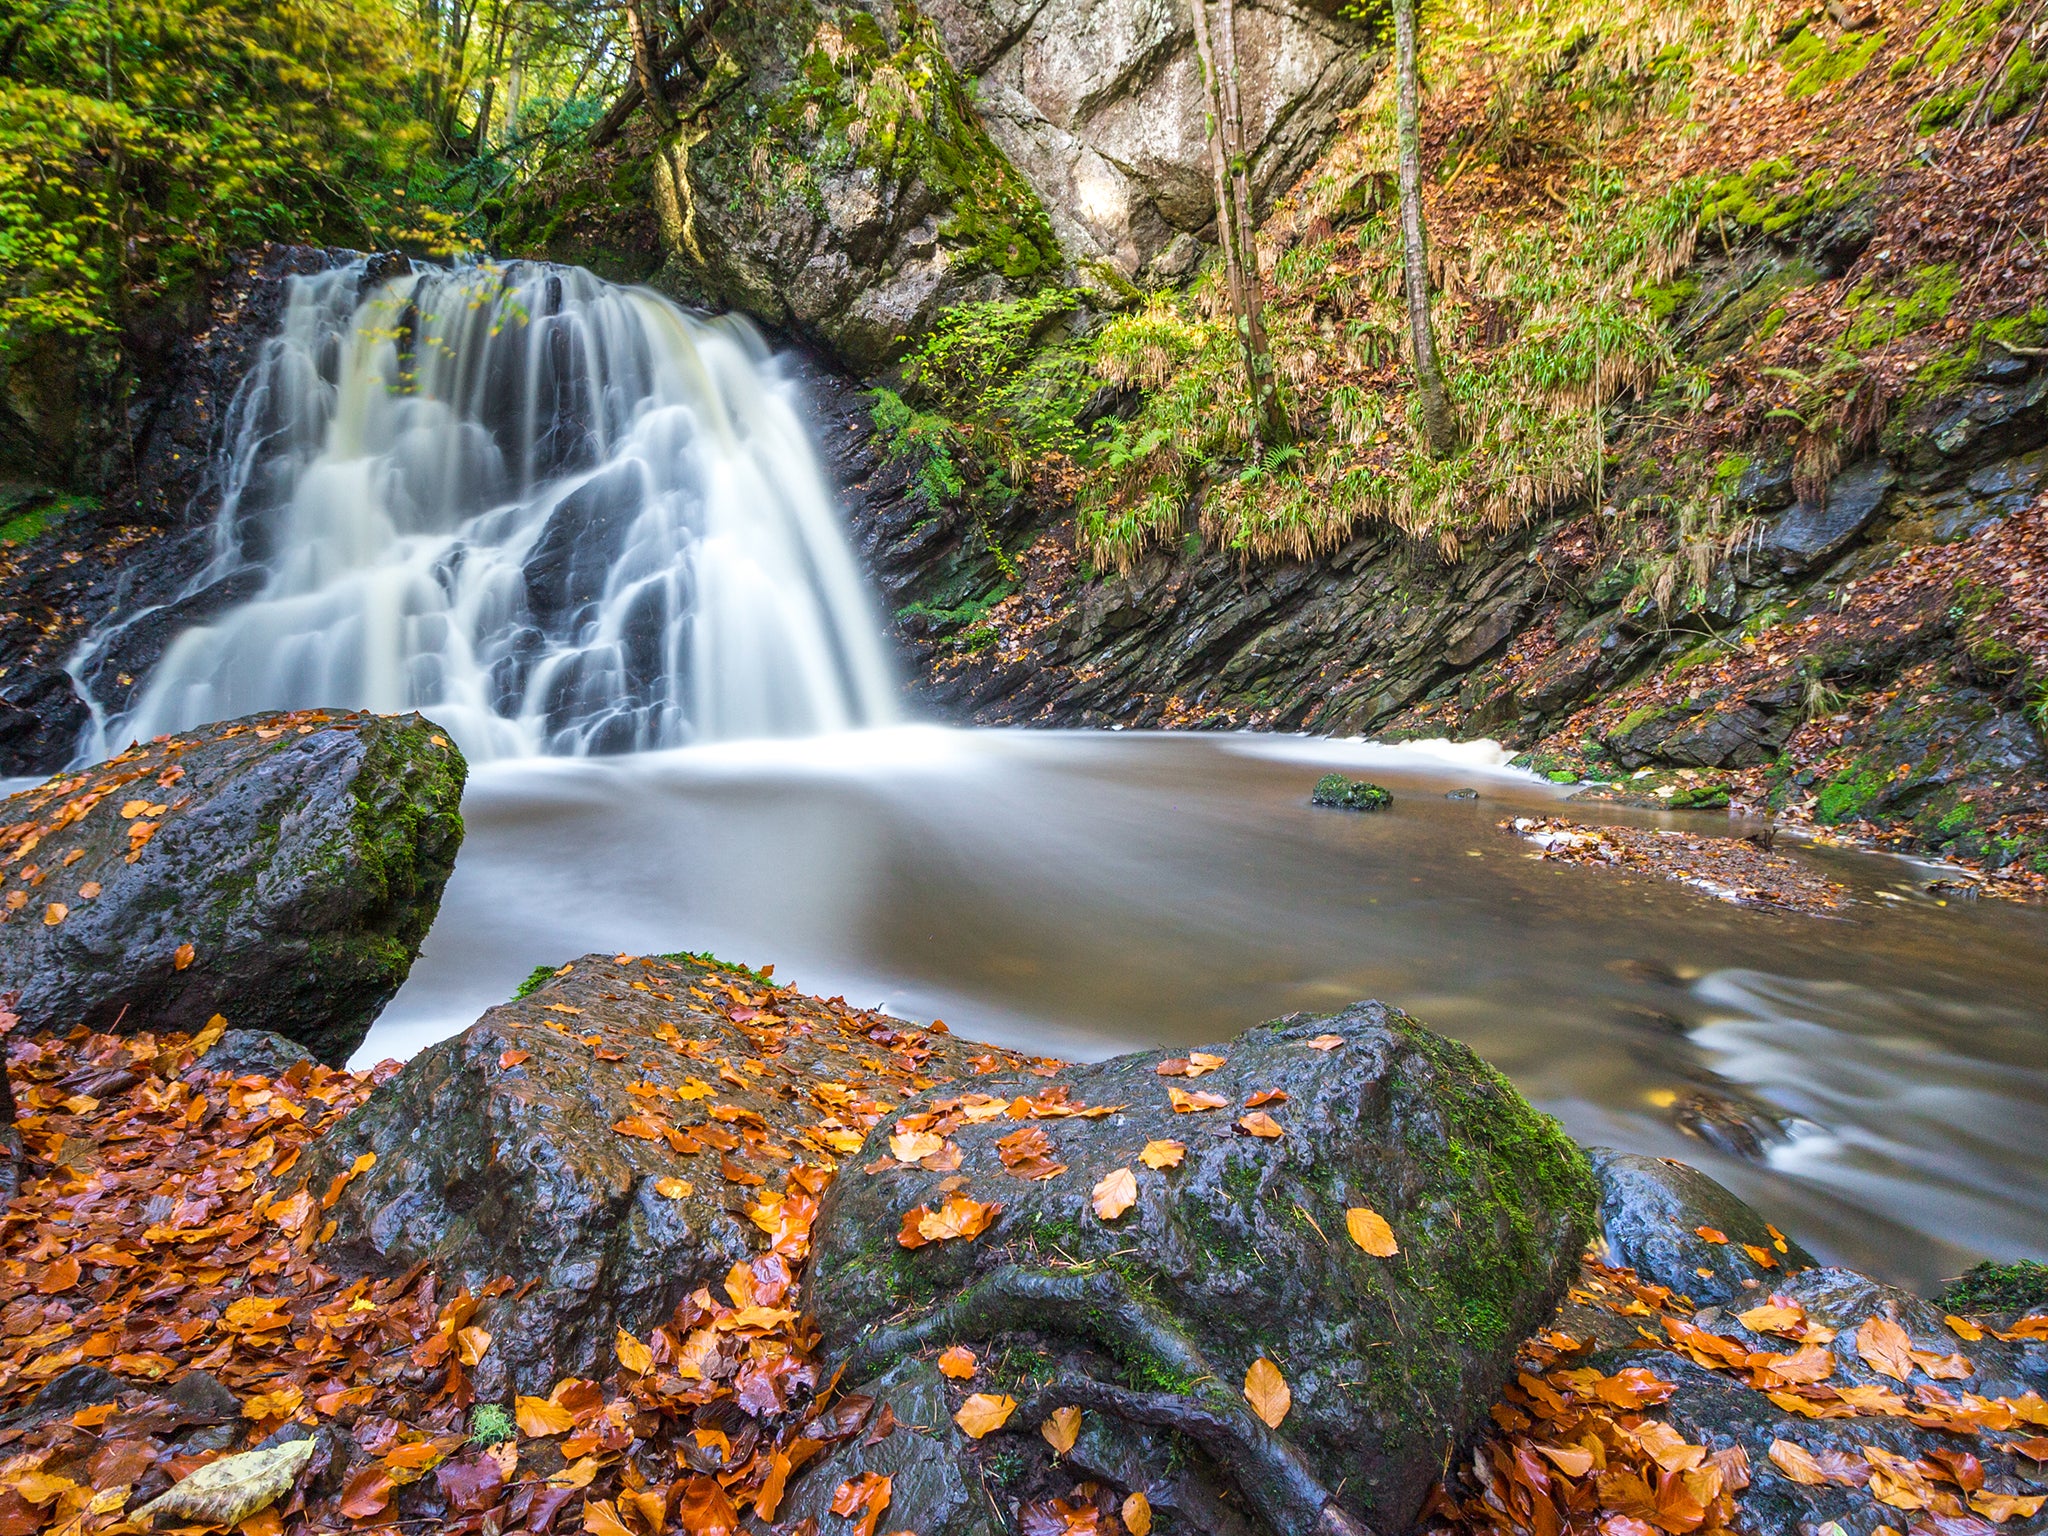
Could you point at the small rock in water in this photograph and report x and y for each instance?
(1350, 794)
(1462, 794)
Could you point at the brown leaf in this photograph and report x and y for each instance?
(957, 1362)
(984, 1413)
(1163, 1154)
(1326, 1042)
(1266, 1390)
(182, 956)
(1062, 1427)
(1884, 1346)
(509, 1059)
(1369, 1229)
(1116, 1193)
(1259, 1123)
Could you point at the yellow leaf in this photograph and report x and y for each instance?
(1192, 1103)
(1884, 1346)
(1259, 1123)
(576, 1475)
(229, 1491)
(1797, 1463)
(182, 956)
(1138, 1515)
(984, 1413)
(601, 1518)
(1369, 1229)
(672, 1188)
(909, 1146)
(1201, 1061)
(1963, 1328)
(1117, 1193)
(1771, 1318)
(56, 912)
(1061, 1429)
(957, 1362)
(471, 1345)
(633, 1355)
(1163, 1154)
(2001, 1507)
(537, 1416)
(1266, 1390)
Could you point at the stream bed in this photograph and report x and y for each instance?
(1877, 1083)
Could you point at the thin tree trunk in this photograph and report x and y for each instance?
(1439, 429)
(648, 68)
(1265, 384)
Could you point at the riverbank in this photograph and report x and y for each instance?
(189, 1288)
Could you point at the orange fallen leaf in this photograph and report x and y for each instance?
(601, 1518)
(182, 956)
(1266, 1390)
(1571, 1460)
(1963, 1328)
(910, 1146)
(1137, 1513)
(670, 1187)
(1884, 1346)
(1187, 1103)
(1115, 1194)
(1259, 1123)
(56, 912)
(2001, 1507)
(1266, 1096)
(1369, 1229)
(89, 890)
(1797, 1463)
(60, 1275)
(538, 1416)
(957, 1362)
(1062, 1427)
(1163, 1154)
(1325, 1042)
(510, 1059)
(1711, 1234)
(983, 1414)
(1772, 1317)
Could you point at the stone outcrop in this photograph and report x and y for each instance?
(864, 169)
(1147, 1311)
(280, 870)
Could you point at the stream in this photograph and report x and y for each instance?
(1084, 893)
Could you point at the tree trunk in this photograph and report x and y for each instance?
(648, 67)
(1265, 384)
(1439, 429)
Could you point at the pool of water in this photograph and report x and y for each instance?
(1084, 893)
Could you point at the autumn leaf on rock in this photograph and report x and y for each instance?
(959, 1217)
(1116, 1193)
(1028, 1153)
(1259, 1123)
(540, 1417)
(911, 1146)
(1369, 1229)
(957, 1362)
(672, 1188)
(1326, 1042)
(510, 1059)
(1772, 1317)
(866, 1496)
(1710, 1234)
(1884, 1346)
(1062, 1427)
(1137, 1514)
(1266, 1390)
(1187, 1103)
(1797, 1463)
(229, 1491)
(1163, 1154)
(984, 1413)
(1266, 1096)
(633, 1355)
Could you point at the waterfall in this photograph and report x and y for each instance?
(555, 514)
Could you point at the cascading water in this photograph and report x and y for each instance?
(556, 514)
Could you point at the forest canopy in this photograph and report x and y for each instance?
(142, 139)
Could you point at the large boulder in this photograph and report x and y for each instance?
(605, 1140)
(280, 870)
(1149, 1317)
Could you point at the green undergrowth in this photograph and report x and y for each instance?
(1772, 197)
(1814, 63)
(764, 977)
(537, 978)
(1998, 1288)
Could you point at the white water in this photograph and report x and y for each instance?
(555, 514)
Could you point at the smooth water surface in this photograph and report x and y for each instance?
(1088, 893)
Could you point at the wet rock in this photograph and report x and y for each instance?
(1807, 536)
(1461, 794)
(253, 1053)
(278, 870)
(1238, 1252)
(497, 1151)
(1728, 1124)
(1736, 731)
(1651, 1212)
(1334, 789)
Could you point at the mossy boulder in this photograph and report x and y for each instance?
(1149, 1320)
(279, 870)
(1343, 794)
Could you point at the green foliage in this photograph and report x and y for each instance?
(139, 142)
(1881, 319)
(1814, 64)
(765, 977)
(1774, 199)
(1992, 1287)
(537, 978)
(490, 1424)
(1334, 789)
(40, 516)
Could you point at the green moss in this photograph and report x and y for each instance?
(40, 515)
(539, 977)
(761, 978)
(1847, 795)
(1334, 789)
(490, 1424)
(1814, 65)
(1772, 198)
(1998, 1288)
(1883, 318)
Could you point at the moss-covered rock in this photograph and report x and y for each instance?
(1333, 789)
(1239, 1252)
(280, 870)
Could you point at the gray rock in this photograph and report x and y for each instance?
(253, 1053)
(1651, 1210)
(1238, 1253)
(1805, 536)
(301, 857)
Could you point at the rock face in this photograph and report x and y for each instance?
(1651, 1210)
(522, 1148)
(888, 162)
(1148, 1319)
(280, 870)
